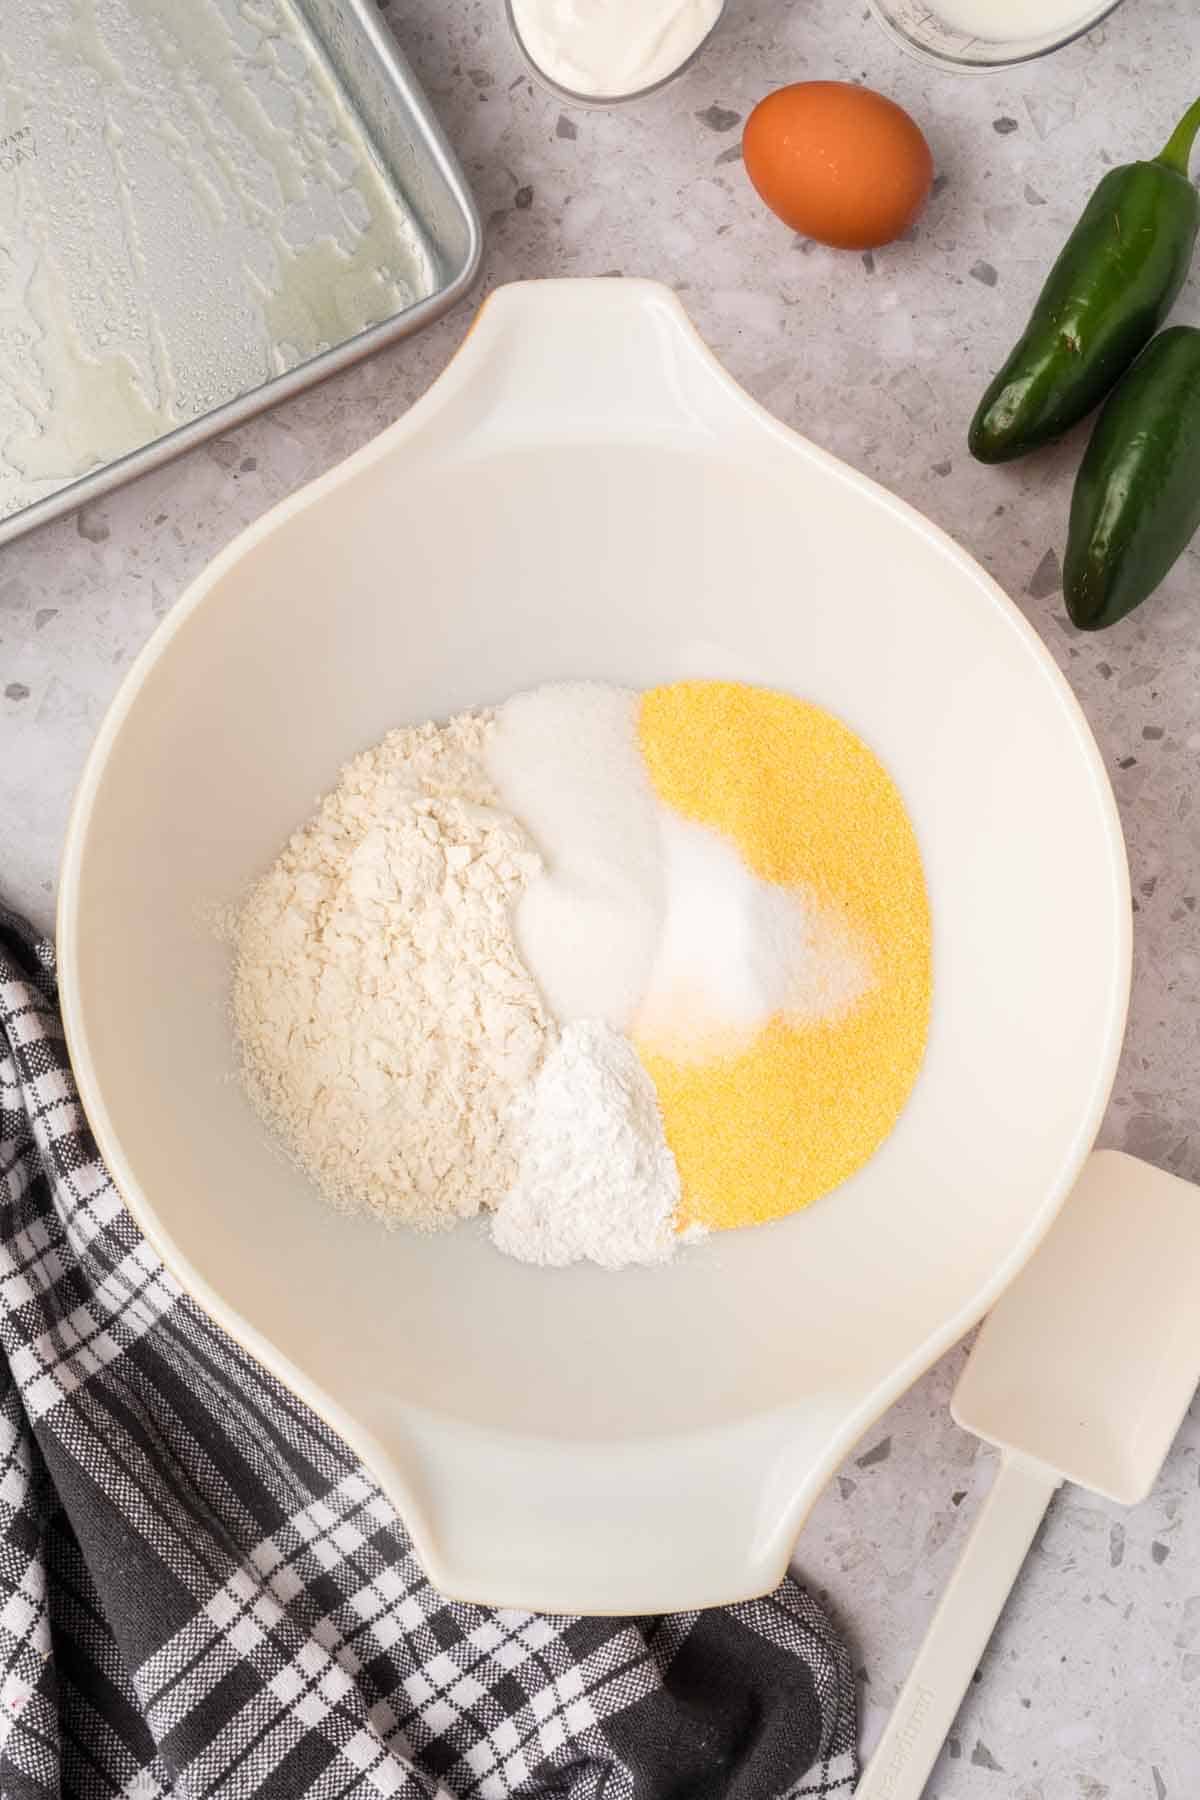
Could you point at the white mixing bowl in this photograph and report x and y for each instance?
(586, 493)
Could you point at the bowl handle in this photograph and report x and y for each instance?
(695, 1521)
(615, 358)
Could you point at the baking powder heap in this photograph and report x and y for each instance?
(596, 1181)
(386, 1019)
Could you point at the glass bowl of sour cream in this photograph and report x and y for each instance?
(601, 52)
(988, 34)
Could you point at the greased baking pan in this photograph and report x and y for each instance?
(204, 208)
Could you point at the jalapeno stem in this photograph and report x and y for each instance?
(1178, 153)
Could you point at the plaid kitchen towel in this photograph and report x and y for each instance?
(203, 1594)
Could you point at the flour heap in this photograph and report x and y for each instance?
(387, 1023)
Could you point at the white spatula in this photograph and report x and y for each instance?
(1082, 1373)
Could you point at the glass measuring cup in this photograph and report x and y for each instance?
(969, 34)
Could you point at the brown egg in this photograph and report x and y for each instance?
(838, 163)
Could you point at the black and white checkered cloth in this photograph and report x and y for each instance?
(202, 1594)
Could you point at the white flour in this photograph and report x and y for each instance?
(597, 1181)
(386, 1020)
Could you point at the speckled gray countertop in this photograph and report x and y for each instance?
(1092, 1686)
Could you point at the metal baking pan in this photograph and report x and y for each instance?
(205, 206)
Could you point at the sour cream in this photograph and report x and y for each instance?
(603, 49)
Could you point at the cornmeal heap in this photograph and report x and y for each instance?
(766, 1129)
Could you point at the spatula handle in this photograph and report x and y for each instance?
(959, 1632)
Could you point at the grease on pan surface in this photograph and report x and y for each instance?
(187, 208)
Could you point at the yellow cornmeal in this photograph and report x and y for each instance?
(766, 1132)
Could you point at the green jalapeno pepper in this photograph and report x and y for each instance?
(1104, 299)
(1136, 504)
